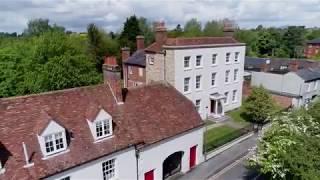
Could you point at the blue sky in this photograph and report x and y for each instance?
(110, 14)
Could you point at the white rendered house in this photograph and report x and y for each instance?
(207, 70)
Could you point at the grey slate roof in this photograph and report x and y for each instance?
(275, 64)
(138, 58)
(309, 74)
(314, 41)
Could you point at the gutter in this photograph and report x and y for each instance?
(202, 46)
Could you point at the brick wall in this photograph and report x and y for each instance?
(135, 77)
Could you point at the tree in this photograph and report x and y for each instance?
(265, 43)
(213, 28)
(129, 33)
(51, 61)
(100, 44)
(290, 148)
(192, 28)
(293, 40)
(259, 105)
(176, 32)
(146, 29)
(39, 26)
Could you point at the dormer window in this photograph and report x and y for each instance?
(100, 125)
(103, 128)
(54, 142)
(52, 139)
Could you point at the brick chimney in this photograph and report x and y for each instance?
(293, 65)
(161, 32)
(125, 54)
(112, 77)
(140, 42)
(228, 28)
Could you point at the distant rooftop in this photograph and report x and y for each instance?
(314, 41)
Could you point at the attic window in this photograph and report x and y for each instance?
(54, 143)
(103, 128)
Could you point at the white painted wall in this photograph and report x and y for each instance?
(289, 83)
(125, 166)
(152, 157)
(205, 72)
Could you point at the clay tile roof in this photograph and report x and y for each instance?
(166, 113)
(200, 41)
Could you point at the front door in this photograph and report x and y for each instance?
(213, 106)
(193, 155)
(149, 175)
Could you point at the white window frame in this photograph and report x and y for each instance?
(151, 60)
(106, 126)
(54, 139)
(213, 79)
(186, 60)
(198, 59)
(236, 75)
(198, 82)
(234, 95)
(236, 57)
(226, 99)
(309, 87)
(228, 54)
(316, 85)
(186, 84)
(109, 166)
(227, 78)
(214, 59)
(198, 105)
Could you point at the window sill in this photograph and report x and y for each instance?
(215, 86)
(199, 67)
(48, 156)
(187, 92)
(214, 65)
(234, 102)
(227, 83)
(187, 69)
(197, 90)
(237, 62)
(228, 63)
(100, 139)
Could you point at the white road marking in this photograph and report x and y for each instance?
(224, 170)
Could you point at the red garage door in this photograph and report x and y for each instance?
(193, 156)
(148, 175)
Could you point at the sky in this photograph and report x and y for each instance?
(75, 15)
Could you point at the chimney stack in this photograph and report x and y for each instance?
(125, 53)
(112, 77)
(140, 42)
(161, 32)
(228, 28)
(294, 65)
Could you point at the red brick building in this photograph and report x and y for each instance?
(312, 48)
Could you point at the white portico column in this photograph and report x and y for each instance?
(222, 107)
(216, 107)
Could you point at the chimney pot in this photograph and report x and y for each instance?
(140, 42)
(161, 32)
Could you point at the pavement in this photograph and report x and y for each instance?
(227, 165)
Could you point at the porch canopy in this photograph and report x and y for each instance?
(217, 96)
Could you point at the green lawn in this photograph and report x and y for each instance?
(218, 136)
(238, 116)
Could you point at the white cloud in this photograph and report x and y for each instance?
(110, 14)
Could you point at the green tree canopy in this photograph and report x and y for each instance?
(259, 105)
(131, 30)
(146, 30)
(213, 28)
(289, 149)
(192, 28)
(38, 26)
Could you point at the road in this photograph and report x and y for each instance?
(237, 171)
(218, 163)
